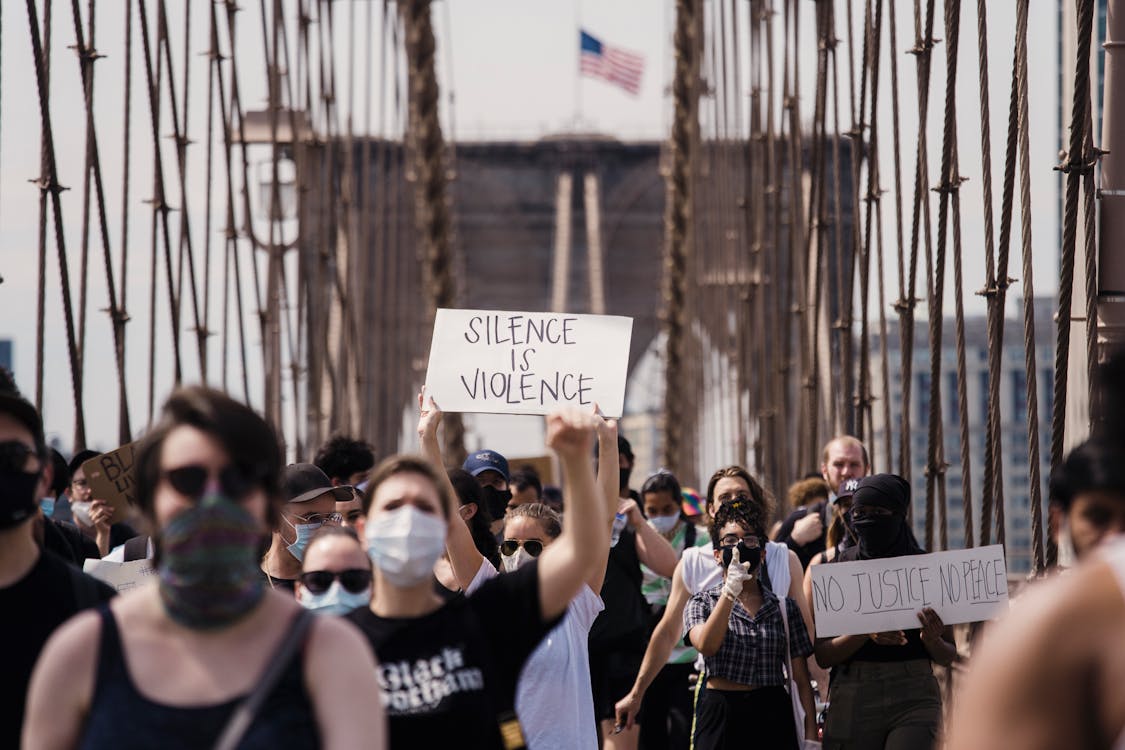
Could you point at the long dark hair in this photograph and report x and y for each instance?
(468, 492)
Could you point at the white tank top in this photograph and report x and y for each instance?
(700, 571)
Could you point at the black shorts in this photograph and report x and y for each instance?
(612, 674)
(729, 718)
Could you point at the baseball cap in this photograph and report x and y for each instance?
(304, 482)
(847, 489)
(484, 461)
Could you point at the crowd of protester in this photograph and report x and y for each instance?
(353, 602)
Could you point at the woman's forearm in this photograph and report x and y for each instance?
(708, 637)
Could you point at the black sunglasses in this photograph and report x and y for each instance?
(354, 580)
(508, 547)
(14, 455)
(191, 481)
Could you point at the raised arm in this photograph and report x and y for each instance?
(464, 557)
(708, 636)
(571, 560)
(652, 549)
(608, 480)
(668, 631)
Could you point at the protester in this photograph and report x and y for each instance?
(750, 645)
(696, 571)
(666, 720)
(55, 504)
(203, 637)
(555, 681)
(804, 529)
(1088, 498)
(310, 502)
(526, 487)
(491, 472)
(38, 591)
(473, 512)
(93, 515)
(840, 534)
(345, 460)
(618, 637)
(450, 668)
(883, 694)
(336, 572)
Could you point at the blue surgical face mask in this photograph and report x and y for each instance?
(304, 534)
(335, 601)
(47, 505)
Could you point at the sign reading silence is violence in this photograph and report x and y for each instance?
(528, 362)
(875, 596)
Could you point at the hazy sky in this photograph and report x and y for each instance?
(511, 66)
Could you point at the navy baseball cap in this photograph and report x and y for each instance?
(847, 489)
(485, 461)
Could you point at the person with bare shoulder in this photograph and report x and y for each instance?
(1052, 673)
(208, 483)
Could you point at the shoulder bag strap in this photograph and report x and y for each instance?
(242, 717)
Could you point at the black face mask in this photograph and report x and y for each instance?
(624, 474)
(745, 554)
(877, 534)
(495, 501)
(17, 496)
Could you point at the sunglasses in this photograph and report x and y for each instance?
(191, 481)
(354, 580)
(508, 547)
(14, 455)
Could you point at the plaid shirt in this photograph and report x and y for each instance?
(753, 649)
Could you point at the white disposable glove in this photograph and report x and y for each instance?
(738, 573)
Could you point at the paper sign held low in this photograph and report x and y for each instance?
(528, 362)
(112, 479)
(874, 596)
(123, 576)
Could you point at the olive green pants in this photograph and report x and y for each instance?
(883, 706)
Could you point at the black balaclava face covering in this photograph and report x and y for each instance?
(496, 501)
(17, 487)
(883, 535)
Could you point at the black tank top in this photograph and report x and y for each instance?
(122, 719)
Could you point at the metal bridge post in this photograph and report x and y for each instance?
(1111, 208)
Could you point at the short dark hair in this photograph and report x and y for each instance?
(248, 440)
(747, 517)
(78, 459)
(1097, 464)
(343, 456)
(758, 494)
(623, 447)
(61, 479)
(328, 532)
(406, 464)
(540, 512)
(525, 478)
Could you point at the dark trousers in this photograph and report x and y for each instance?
(738, 719)
(883, 706)
(666, 719)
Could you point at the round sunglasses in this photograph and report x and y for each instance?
(354, 580)
(508, 547)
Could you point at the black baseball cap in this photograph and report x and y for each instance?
(304, 482)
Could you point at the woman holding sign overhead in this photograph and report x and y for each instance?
(883, 695)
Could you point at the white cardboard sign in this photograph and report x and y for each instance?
(528, 362)
(123, 576)
(874, 596)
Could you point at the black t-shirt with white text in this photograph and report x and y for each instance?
(449, 675)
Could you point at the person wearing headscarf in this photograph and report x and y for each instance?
(883, 695)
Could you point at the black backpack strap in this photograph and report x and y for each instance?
(244, 714)
(136, 548)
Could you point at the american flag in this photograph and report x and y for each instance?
(611, 64)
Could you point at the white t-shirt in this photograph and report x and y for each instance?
(554, 697)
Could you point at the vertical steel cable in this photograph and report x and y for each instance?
(53, 188)
(85, 62)
(1035, 495)
(43, 185)
(678, 226)
(1075, 168)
